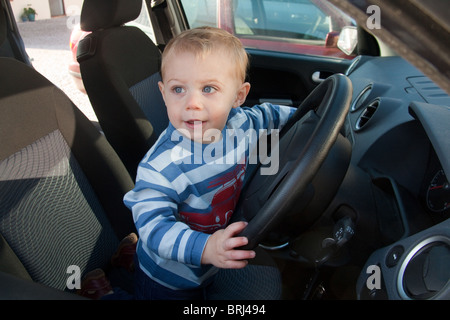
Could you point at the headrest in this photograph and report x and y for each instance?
(102, 14)
(3, 26)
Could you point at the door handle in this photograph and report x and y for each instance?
(316, 77)
(319, 76)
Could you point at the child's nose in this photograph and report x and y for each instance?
(193, 102)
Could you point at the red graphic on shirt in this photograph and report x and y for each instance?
(222, 204)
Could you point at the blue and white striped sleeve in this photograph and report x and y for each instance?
(153, 203)
(269, 116)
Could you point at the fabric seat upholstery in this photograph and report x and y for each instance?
(120, 70)
(61, 183)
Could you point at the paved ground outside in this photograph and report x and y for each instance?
(47, 44)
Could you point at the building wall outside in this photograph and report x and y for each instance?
(42, 7)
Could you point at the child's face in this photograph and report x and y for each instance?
(200, 92)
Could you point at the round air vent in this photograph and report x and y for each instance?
(424, 274)
(367, 114)
(361, 98)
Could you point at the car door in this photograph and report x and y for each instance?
(292, 43)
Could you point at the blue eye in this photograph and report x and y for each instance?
(178, 89)
(208, 89)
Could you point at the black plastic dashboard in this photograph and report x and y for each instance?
(399, 125)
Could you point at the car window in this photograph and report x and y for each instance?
(296, 26)
(143, 22)
(200, 12)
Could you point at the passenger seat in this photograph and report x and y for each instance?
(120, 70)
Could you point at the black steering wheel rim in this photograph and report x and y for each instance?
(330, 102)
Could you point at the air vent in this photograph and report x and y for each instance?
(367, 114)
(361, 98)
(352, 65)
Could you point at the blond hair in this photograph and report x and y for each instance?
(202, 41)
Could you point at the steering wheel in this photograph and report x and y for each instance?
(304, 144)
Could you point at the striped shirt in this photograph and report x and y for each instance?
(186, 190)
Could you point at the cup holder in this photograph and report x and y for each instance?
(425, 272)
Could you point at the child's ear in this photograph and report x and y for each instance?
(161, 88)
(242, 94)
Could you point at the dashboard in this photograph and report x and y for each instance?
(399, 127)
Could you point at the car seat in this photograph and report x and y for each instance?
(120, 70)
(61, 188)
(11, 45)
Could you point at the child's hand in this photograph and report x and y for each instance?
(219, 249)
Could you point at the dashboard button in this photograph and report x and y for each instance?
(394, 255)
